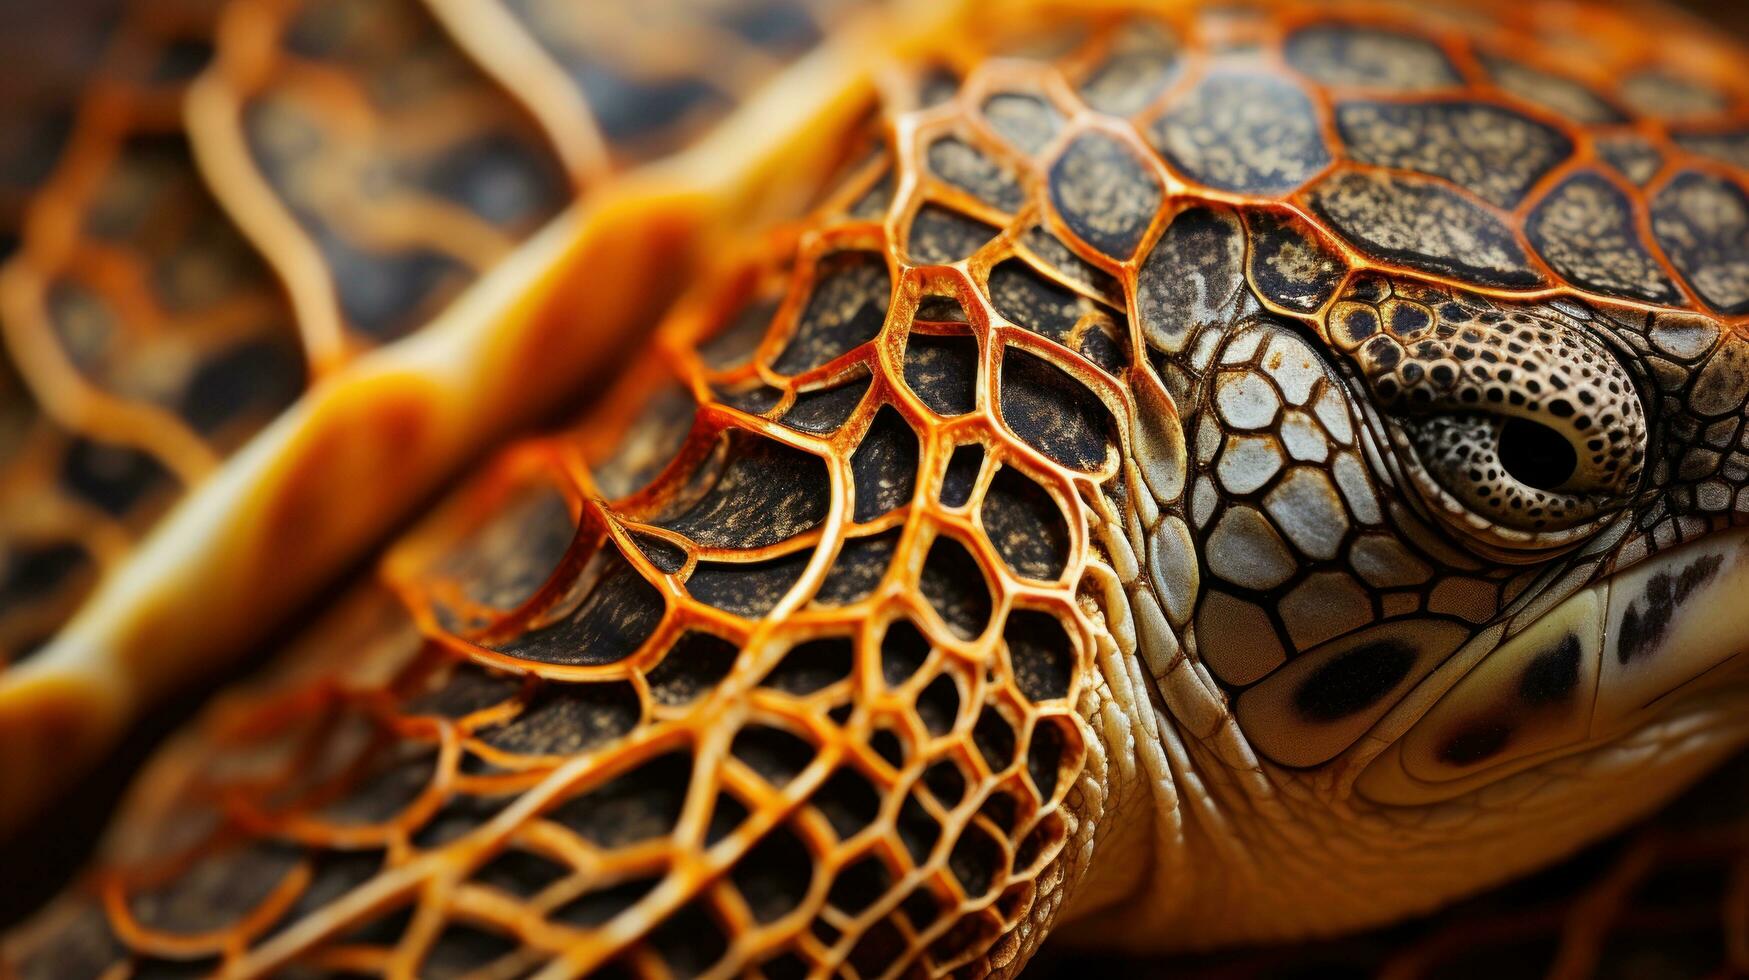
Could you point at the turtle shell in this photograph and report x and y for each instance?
(824, 640)
(267, 292)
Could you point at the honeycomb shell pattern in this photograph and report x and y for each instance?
(290, 225)
(784, 659)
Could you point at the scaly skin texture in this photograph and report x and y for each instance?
(1665, 902)
(253, 196)
(1203, 477)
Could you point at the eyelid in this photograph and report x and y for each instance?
(1451, 376)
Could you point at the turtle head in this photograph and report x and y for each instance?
(1469, 579)
(1530, 556)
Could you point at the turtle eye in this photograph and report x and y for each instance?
(1518, 427)
(1517, 472)
(1536, 455)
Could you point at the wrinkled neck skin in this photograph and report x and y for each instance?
(1201, 841)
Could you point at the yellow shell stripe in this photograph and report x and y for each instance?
(375, 434)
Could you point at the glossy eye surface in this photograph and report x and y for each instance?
(1515, 425)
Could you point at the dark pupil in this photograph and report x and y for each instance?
(1536, 455)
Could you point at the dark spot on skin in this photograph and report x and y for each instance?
(1476, 742)
(1553, 675)
(946, 783)
(28, 573)
(261, 376)
(1424, 224)
(1353, 681)
(975, 860)
(848, 801)
(922, 907)
(1050, 251)
(113, 478)
(1407, 319)
(903, 651)
(973, 171)
(630, 109)
(1289, 264)
(1194, 276)
(1040, 653)
(881, 945)
(1028, 299)
(515, 871)
(665, 555)
(939, 705)
(1698, 218)
(994, 737)
(1026, 526)
(918, 831)
(690, 941)
(1243, 131)
(1647, 619)
(1044, 759)
(382, 295)
(727, 815)
(888, 747)
(1362, 323)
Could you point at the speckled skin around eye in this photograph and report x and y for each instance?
(1448, 373)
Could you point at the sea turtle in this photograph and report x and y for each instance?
(293, 225)
(1202, 475)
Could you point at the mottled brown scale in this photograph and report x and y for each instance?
(1079, 519)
